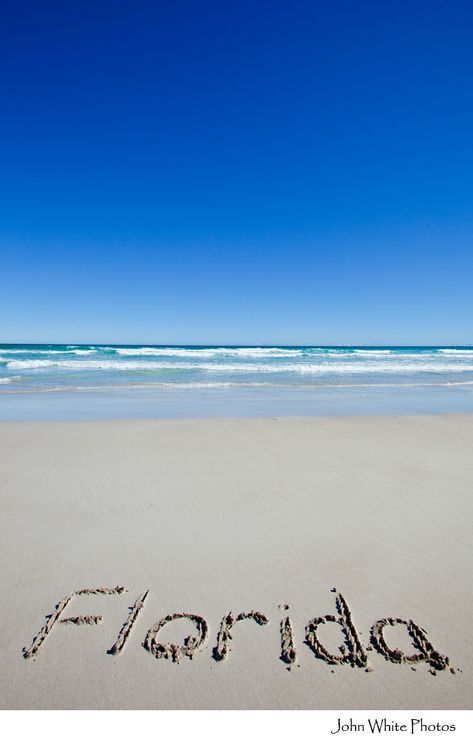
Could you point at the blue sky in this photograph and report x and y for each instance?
(240, 172)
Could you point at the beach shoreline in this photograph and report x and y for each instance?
(207, 517)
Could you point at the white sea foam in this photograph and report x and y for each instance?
(393, 355)
(208, 352)
(361, 352)
(459, 352)
(29, 351)
(345, 367)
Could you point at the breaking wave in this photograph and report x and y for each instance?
(326, 367)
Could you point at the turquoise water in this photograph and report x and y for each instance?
(56, 381)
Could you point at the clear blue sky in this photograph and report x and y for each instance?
(242, 172)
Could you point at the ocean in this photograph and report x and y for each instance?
(112, 381)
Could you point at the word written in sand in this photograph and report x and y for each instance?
(351, 651)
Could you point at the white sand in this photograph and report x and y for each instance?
(213, 516)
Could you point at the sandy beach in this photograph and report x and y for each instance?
(261, 521)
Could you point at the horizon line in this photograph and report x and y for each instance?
(247, 345)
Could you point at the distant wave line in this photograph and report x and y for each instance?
(257, 352)
(21, 351)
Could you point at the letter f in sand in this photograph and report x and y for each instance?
(56, 615)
